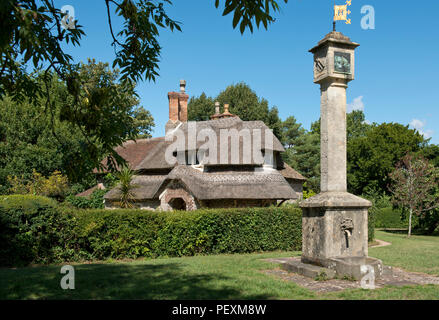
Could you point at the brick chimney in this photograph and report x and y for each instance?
(177, 107)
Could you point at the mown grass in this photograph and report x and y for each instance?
(417, 253)
(214, 277)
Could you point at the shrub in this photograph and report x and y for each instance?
(125, 176)
(94, 201)
(308, 194)
(55, 186)
(32, 230)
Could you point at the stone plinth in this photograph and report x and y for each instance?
(335, 233)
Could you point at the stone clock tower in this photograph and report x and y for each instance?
(334, 222)
(334, 67)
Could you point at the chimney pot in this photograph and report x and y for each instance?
(226, 108)
(217, 107)
(182, 86)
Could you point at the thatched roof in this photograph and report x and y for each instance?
(259, 184)
(135, 151)
(149, 154)
(156, 158)
(289, 173)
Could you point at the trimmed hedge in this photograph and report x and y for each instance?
(134, 233)
(36, 230)
(371, 221)
(389, 218)
(32, 229)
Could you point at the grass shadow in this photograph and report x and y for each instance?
(118, 281)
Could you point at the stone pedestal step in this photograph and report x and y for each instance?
(307, 270)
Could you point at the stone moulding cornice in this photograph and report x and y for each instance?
(336, 38)
(335, 199)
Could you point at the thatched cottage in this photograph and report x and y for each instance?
(223, 162)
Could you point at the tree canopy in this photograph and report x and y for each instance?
(372, 157)
(243, 102)
(40, 138)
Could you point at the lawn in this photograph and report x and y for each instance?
(214, 277)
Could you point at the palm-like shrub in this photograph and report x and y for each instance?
(125, 176)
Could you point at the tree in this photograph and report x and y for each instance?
(373, 156)
(413, 186)
(35, 33)
(431, 153)
(304, 156)
(34, 137)
(243, 102)
(200, 108)
(356, 125)
(144, 122)
(291, 131)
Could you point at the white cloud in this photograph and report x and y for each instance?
(357, 104)
(420, 126)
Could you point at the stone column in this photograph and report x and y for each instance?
(333, 135)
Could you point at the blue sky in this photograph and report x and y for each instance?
(397, 64)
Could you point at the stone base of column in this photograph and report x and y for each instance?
(335, 234)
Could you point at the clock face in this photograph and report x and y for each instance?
(342, 62)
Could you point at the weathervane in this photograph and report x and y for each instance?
(342, 12)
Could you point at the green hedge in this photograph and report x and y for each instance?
(94, 201)
(134, 233)
(389, 218)
(32, 229)
(36, 230)
(371, 224)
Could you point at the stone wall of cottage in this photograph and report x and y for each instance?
(176, 190)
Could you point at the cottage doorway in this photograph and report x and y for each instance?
(177, 204)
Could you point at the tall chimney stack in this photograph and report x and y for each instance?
(177, 107)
